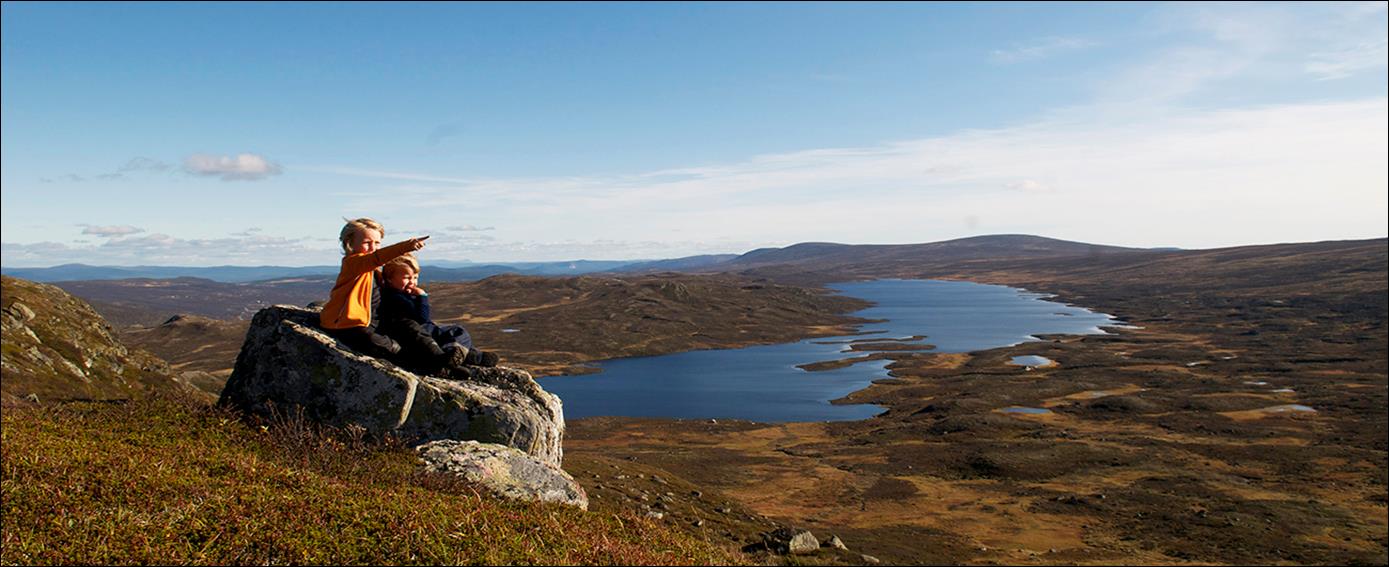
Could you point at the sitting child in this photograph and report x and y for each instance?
(351, 312)
(405, 317)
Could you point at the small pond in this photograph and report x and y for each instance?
(1031, 360)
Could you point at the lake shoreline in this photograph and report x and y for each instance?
(797, 381)
(947, 476)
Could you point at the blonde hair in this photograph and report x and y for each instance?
(355, 227)
(405, 261)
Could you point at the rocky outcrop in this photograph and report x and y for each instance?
(504, 471)
(56, 347)
(286, 362)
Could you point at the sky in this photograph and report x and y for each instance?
(204, 134)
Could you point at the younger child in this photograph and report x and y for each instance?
(406, 318)
(351, 311)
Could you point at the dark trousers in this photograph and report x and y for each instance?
(367, 341)
(419, 352)
(445, 334)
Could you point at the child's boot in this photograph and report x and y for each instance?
(483, 358)
(457, 357)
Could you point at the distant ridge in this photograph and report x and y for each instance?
(225, 274)
(679, 264)
(450, 271)
(993, 247)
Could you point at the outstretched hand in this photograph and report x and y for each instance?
(418, 243)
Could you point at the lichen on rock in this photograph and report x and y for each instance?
(504, 471)
(286, 361)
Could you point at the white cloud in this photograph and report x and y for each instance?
(1168, 176)
(242, 167)
(470, 228)
(1040, 49)
(110, 231)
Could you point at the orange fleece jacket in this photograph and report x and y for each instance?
(350, 303)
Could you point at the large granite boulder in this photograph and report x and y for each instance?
(504, 471)
(288, 361)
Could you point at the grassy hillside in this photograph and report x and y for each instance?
(168, 480)
(57, 348)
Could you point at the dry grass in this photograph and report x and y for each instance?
(172, 481)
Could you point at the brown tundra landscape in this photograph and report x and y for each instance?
(1238, 418)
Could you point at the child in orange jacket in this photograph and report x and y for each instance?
(351, 311)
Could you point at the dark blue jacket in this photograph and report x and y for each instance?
(397, 304)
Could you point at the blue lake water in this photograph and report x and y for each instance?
(763, 383)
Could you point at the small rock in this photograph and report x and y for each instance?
(698, 523)
(22, 311)
(31, 397)
(696, 493)
(792, 541)
(655, 515)
(505, 471)
(836, 543)
(869, 559)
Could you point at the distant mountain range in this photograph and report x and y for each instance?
(145, 301)
(820, 253)
(446, 271)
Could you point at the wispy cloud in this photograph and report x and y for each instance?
(242, 167)
(163, 249)
(1040, 49)
(443, 132)
(110, 231)
(380, 174)
(70, 177)
(1346, 61)
(1171, 175)
(1254, 43)
(1029, 186)
(470, 228)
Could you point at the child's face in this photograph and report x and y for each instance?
(366, 241)
(400, 280)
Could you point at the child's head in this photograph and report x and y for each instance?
(401, 272)
(361, 236)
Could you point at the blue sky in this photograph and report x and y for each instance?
(212, 134)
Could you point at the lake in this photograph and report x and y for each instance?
(763, 383)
